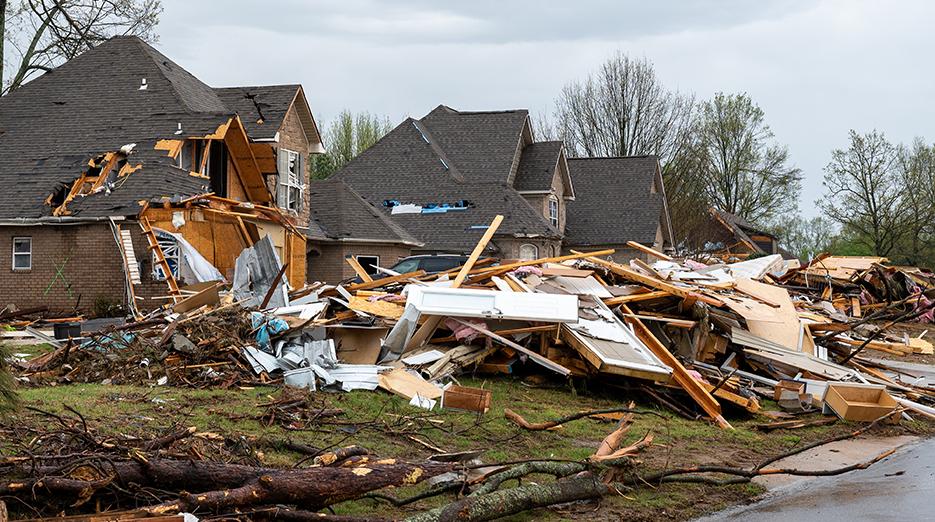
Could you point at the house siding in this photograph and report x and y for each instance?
(90, 265)
(325, 261)
(292, 137)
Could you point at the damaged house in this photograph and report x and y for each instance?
(127, 178)
(733, 238)
(432, 185)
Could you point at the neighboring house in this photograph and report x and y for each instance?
(121, 135)
(618, 200)
(343, 225)
(732, 237)
(443, 178)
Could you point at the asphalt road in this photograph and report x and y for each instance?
(900, 488)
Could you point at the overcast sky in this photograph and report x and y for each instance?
(818, 68)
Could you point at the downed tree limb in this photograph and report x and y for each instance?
(540, 426)
(310, 488)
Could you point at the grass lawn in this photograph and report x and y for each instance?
(389, 427)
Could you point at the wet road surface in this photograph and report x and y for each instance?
(900, 488)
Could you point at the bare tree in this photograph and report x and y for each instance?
(737, 164)
(806, 238)
(623, 109)
(38, 35)
(863, 191)
(346, 137)
(916, 170)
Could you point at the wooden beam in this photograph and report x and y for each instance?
(359, 270)
(385, 281)
(633, 275)
(688, 383)
(649, 251)
(485, 273)
(558, 368)
(635, 298)
(508, 331)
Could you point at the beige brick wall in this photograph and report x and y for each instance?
(325, 261)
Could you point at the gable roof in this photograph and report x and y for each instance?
(262, 108)
(339, 213)
(412, 165)
(615, 202)
(120, 92)
(537, 166)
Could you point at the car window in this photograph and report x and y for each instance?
(440, 264)
(406, 266)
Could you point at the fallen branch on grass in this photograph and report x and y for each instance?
(540, 426)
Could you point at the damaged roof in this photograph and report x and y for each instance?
(615, 201)
(339, 213)
(121, 92)
(449, 180)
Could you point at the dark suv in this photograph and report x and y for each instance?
(432, 264)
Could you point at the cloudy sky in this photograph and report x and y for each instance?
(818, 68)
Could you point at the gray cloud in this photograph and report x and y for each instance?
(817, 68)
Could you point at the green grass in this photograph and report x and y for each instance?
(384, 424)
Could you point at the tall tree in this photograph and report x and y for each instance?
(38, 35)
(863, 192)
(623, 109)
(346, 137)
(806, 238)
(916, 172)
(738, 165)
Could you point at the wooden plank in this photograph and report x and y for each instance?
(377, 308)
(522, 349)
(402, 383)
(649, 251)
(478, 250)
(688, 383)
(635, 298)
(484, 273)
(160, 258)
(633, 275)
(467, 398)
(359, 270)
(508, 331)
(377, 283)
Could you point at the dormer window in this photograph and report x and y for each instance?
(553, 211)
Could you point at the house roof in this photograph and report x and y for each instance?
(423, 163)
(614, 202)
(339, 213)
(262, 108)
(120, 92)
(537, 166)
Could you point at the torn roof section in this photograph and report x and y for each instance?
(340, 214)
(441, 161)
(121, 92)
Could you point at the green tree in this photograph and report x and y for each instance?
(916, 172)
(864, 192)
(346, 137)
(806, 238)
(736, 163)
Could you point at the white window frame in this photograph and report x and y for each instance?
(170, 249)
(535, 251)
(553, 211)
(369, 257)
(28, 255)
(292, 181)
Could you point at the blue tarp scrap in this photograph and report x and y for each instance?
(107, 342)
(266, 326)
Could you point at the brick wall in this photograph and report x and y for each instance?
(325, 261)
(87, 255)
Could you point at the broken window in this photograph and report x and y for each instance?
(528, 252)
(369, 263)
(170, 249)
(553, 211)
(291, 180)
(22, 253)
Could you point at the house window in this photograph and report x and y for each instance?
(553, 211)
(170, 249)
(291, 180)
(22, 253)
(528, 252)
(369, 263)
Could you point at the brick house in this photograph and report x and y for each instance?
(731, 237)
(120, 136)
(444, 177)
